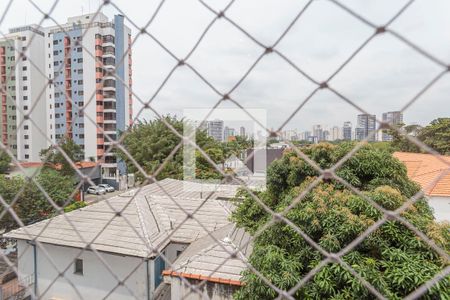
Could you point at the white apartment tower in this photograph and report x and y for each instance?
(89, 60)
(89, 98)
(22, 78)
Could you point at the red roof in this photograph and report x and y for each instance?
(201, 277)
(430, 172)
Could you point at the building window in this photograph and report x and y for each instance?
(81, 136)
(25, 107)
(24, 68)
(80, 82)
(25, 88)
(79, 49)
(27, 156)
(26, 146)
(24, 78)
(25, 127)
(25, 136)
(78, 266)
(25, 97)
(81, 93)
(80, 60)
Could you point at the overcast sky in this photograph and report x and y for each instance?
(382, 77)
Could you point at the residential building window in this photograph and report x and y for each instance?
(26, 146)
(25, 127)
(80, 104)
(80, 82)
(79, 49)
(25, 97)
(55, 42)
(27, 156)
(25, 88)
(80, 60)
(24, 78)
(81, 93)
(81, 125)
(24, 68)
(25, 107)
(78, 266)
(81, 136)
(26, 136)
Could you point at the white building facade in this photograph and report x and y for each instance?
(23, 120)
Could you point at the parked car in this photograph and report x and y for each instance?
(107, 187)
(97, 190)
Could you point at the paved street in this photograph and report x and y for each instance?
(90, 198)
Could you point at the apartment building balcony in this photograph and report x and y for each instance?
(100, 152)
(99, 119)
(98, 52)
(100, 141)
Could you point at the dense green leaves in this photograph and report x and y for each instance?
(436, 135)
(31, 204)
(151, 143)
(5, 160)
(55, 158)
(390, 258)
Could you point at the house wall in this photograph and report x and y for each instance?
(441, 207)
(214, 291)
(96, 281)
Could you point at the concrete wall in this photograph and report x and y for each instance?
(441, 207)
(96, 281)
(214, 291)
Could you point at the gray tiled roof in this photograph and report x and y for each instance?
(147, 219)
(210, 259)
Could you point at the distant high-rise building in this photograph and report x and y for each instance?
(366, 127)
(242, 131)
(228, 132)
(318, 132)
(347, 131)
(391, 118)
(335, 133)
(215, 129)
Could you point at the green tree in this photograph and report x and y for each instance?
(5, 160)
(391, 258)
(32, 205)
(151, 142)
(53, 157)
(437, 135)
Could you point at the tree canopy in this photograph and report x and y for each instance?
(392, 258)
(31, 205)
(435, 135)
(151, 142)
(5, 160)
(53, 157)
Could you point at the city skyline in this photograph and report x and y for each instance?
(373, 91)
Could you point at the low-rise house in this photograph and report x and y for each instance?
(433, 175)
(213, 264)
(119, 247)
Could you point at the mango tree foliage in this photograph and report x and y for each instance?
(392, 258)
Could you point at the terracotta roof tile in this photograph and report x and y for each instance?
(430, 172)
